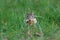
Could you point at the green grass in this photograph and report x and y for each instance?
(13, 13)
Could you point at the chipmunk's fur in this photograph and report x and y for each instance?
(30, 18)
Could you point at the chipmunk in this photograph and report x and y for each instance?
(30, 18)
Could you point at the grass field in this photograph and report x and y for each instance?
(13, 13)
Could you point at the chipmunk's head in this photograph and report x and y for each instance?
(31, 19)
